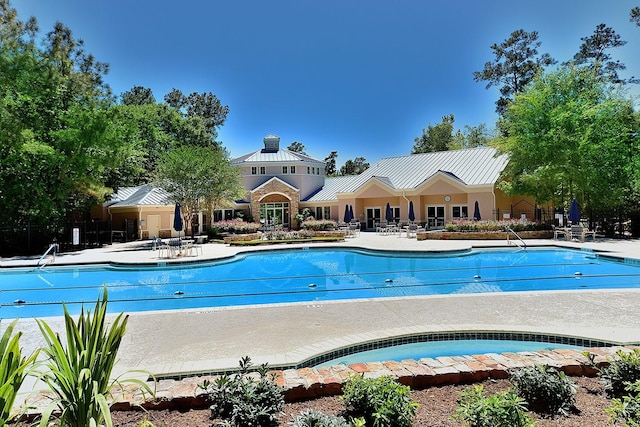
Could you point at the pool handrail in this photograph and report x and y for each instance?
(53, 247)
(510, 230)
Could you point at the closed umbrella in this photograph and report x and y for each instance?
(177, 219)
(351, 213)
(346, 214)
(389, 214)
(574, 212)
(476, 212)
(412, 215)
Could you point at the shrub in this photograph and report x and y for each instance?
(288, 235)
(546, 390)
(319, 225)
(235, 226)
(312, 418)
(503, 409)
(80, 374)
(627, 408)
(515, 224)
(625, 368)
(13, 370)
(380, 401)
(245, 399)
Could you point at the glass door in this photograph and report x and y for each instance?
(435, 216)
(373, 216)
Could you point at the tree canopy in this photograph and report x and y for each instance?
(515, 64)
(297, 147)
(569, 134)
(593, 53)
(354, 167)
(65, 143)
(199, 178)
(330, 164)
(435, 137)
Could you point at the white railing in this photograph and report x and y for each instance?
(52, 248)
(509, 232)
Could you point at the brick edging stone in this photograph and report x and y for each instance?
(310, 383)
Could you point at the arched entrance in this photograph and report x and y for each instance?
(274, 211)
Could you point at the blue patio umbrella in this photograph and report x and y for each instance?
(476, 212)
(574, 212)
(412, 215)
(346, 214)
(177, 219)
(351, 212)
(389, 215)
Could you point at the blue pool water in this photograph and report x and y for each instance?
(435, 349)
(311, 275)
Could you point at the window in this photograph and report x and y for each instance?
(323, 212)
(284, 170)
(459, 212)
(293, 169)
(254, 170)
(308, 170)
(263, 170)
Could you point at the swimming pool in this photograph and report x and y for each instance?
(433, 349)
(307, 275)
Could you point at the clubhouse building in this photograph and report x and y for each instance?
(441, 186)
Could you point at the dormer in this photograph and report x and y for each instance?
(271, 143)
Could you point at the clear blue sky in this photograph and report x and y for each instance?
(359, 77)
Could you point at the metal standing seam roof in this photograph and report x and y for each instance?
(140, 195)
(472, 167)
(265, 156)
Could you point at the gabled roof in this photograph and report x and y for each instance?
(471, 167)
(141, 195)
(274, 179)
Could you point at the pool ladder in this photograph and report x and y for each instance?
(522, 243)
(52, 248)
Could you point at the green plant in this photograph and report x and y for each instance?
(380, 401)
(146, 423)
(627, 408)
(13, 370)
(319, 224)
(312, 418)
(625, 368)
(79, 374)
(546, 390)
(242, 399)
(503, 409)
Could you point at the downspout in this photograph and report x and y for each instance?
(139, 222)
(408, 201)
(493, 192)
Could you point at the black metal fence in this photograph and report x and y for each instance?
(35, 239)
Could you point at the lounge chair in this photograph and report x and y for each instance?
(559, 232)
(581, 233)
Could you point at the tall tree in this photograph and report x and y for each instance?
(571, 135)
(138, 95)
(206, 106)
(330, 164)
(199, 178)
(471, 137)
(516, 63)
(435, 138)
(54, 115)
(593, 53)
(297, 147)
(354, 167)
(635, 15)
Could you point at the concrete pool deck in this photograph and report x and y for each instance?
(203, 340)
